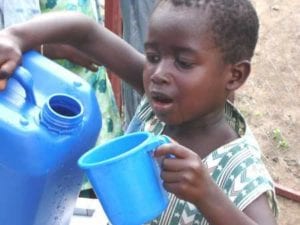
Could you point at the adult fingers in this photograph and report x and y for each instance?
(7, 68)
(6, 71)
(2, 84)
(92, 67)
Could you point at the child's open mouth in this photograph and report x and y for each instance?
(161, 98)
(161, 101)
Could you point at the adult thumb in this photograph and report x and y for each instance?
(3, 84)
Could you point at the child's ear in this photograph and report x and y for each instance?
(238, 75)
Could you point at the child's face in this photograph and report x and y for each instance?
(184, 76)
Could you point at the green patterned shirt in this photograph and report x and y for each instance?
(236, 167)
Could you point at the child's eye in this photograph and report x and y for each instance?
(184, 64)
(153, 58)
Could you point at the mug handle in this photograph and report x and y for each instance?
(159, 140)
(163, 139)
(166, 139)
(156, 140)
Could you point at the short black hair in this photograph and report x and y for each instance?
(234, 25)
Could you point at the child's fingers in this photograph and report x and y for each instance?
(170, 177)
(86, 62)
(173, 165)
(161, 154)
(173, 149)
(93, 67)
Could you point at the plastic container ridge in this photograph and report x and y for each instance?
(49, 118)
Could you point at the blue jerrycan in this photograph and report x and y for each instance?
(49, 117)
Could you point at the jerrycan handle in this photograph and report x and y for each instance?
(24, 77)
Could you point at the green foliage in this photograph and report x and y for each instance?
(280, 140)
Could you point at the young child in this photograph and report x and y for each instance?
(197, 53)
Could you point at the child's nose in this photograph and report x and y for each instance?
(162, 73)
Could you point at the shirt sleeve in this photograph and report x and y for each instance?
(241, 174)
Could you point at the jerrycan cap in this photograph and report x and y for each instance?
(62, 113)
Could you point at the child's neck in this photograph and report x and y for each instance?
(202, 138)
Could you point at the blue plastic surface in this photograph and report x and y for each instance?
(49, 118)
(126, 178)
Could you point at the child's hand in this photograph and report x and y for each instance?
(10, 57)
(184, 174)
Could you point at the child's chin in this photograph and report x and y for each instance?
(165, 117)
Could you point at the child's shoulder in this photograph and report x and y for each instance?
(237, 167)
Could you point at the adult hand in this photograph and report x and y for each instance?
(62, 51)
(10, 57)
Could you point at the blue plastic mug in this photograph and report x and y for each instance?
(126, 178)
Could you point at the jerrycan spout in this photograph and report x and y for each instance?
(62, 113)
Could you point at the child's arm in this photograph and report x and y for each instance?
(76, 30)
(187, 177)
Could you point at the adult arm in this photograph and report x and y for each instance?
(62, 51)
(76, 30)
